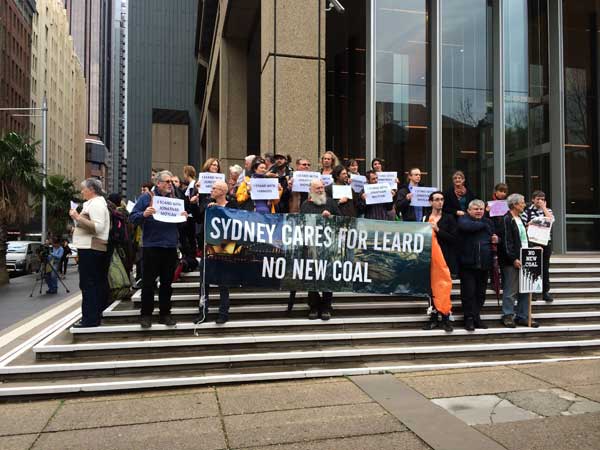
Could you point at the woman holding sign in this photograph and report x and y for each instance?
(341, 192)
(458, 197)
(259, 170)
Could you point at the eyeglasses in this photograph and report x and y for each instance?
(165, 181)
(305, 164)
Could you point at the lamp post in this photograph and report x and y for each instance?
(44, 115)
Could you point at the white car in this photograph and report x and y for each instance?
(22, 256)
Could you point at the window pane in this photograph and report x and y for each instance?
(467, 92)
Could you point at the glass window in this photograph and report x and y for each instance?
(467, 93)
(402, 46)
(582, 134)
(526, 96)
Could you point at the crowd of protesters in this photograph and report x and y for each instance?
(467, 244)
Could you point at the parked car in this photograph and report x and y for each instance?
(22, 256)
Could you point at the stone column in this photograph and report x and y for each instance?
(293, 77)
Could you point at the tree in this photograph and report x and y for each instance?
(59, 194)
(20, 176)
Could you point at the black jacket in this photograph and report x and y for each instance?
(476, 243)
(348, 209)
(448, 240)
(404, 207)
(509, 248)
(308, 207)
(451, 203)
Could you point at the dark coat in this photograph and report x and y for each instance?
(348, 209)
(308, 207)
(476, 243)
(379, 211)
(448, 240)
(451, 203)
(509, 248)
(403, 205)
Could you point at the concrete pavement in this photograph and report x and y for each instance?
(551, 406)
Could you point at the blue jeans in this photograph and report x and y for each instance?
(510, 294)
(52, 281)
(93, 282)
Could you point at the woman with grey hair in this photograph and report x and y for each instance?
(234, 180)
(90, 238)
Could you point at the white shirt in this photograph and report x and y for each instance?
(97, 211)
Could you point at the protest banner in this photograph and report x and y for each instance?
(377, 193)
(310, 252)
(420, 195)
(498, 208)
(302, 180)
(530, 275)
(264, 188)
(326, 179)
(168, 209)
(539, 230)
(207, 179)
(339, 191)
(388, 178)
(130, 206)
(357, 182)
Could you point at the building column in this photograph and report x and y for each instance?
(233, 110)
(212, 133)
(293, 78)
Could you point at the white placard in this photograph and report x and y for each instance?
(378, 193)
(388, 178)
(130, 206)
(539, 229)
(420, 195)
(168, 209)
(74, 205)
(340, 191)
(302, 180)
(326, 179)
(264, 188)
(207, 179)
(357, 182)
(498, 208)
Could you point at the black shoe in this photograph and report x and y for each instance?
(167, 320)
(432, 324)
(221, 320)
(469, 324)
(146, 321)
(508, 322)
(446, 325)
(548, 298)
(480, 324)
(313, 314)
(325, 315)
(525, 323)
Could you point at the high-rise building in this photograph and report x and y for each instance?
(57, 74)
(15, 63)
(162, 118)
(90, 22)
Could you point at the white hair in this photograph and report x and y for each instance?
(235, 169)
(514, 199)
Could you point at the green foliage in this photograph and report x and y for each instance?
(60, 191)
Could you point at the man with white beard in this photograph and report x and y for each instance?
(318, 203)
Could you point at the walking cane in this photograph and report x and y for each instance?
(529, 315)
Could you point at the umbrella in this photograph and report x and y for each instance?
(496, 273)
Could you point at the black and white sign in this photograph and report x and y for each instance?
(420, 195)
(168, 209)
(339, 191)
(530, 275)
(388, 178)
(357, 182)
(326, 179)
(378, 193)
(302, 180)
(264, 188)
(207, 179)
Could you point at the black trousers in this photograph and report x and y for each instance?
(321, 304)
(93, 282)
(473, 284)
(158, 262)
(546, 267)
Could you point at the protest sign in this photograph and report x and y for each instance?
(388, 178)
(539, 230)
(207, 179)
(420, 196)
(339, 191)
(530, 275)
(310, 252)
(326, 179)
(498, 208)
(130, 206)
(168, 209)
(302, 180)
(357, 182)
(74, 205)
(264, 188)
(377, 193)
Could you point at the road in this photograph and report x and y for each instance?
(16, 305)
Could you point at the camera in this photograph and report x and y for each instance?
(336, 5)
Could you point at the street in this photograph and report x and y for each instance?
(16, 305)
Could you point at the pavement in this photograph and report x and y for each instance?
(553, 406)
(16, 304)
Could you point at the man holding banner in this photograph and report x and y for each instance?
(158, 212)
(376, 200)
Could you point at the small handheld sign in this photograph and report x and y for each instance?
(530, 275)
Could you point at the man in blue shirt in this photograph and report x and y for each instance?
(52, 268)
(404, 197)
(159, 257)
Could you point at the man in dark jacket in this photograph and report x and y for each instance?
(475, 256)
(378, 211)
(346, 205)
(318, 203)
(160, 252)
(404, 208)
(513, 237)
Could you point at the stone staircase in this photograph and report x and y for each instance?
(367, 334)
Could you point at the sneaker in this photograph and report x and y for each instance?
(146, 321)
(508, 322)
(469, 324)
(167, 320)
(525, 323)
(325, 315)
(548, 298)
(313, 314)
(221, 320)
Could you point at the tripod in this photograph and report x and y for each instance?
(42, 277)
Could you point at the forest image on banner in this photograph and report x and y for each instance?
(309, 252)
